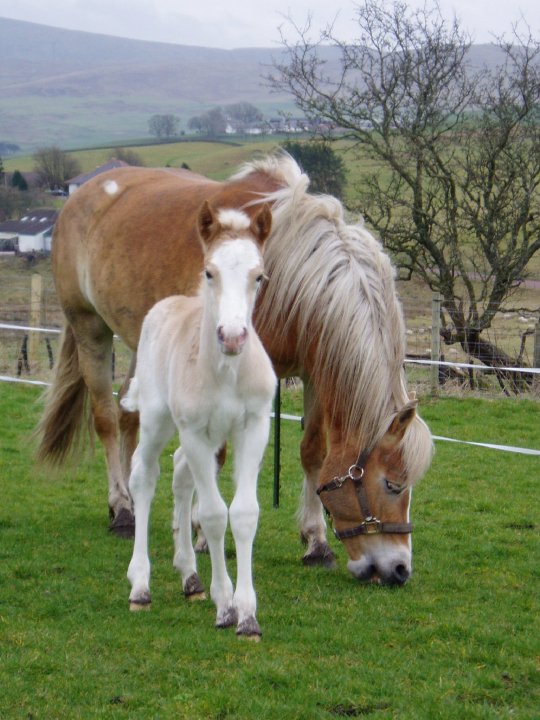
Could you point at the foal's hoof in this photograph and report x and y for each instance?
(227, 619)
(320, 554)
(201, 546)
(143, 602)
(249, 629)
(123, 524)
(193, 589)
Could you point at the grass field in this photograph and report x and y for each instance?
(460, 640)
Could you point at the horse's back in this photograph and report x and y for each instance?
(128, 238)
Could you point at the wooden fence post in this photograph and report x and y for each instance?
(435, 341)
(35, 319)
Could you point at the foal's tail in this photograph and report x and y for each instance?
(67, 412)
(130, 401)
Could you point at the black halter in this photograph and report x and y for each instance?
(370, 525)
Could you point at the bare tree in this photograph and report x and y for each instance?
(164, 126)
(54, 167)
(455, 193)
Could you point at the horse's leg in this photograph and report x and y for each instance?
(128, 423)
(94, 345)
(184, 556)
(213, 518)
(142, 485)
(310, 512)
(201, 546)
(249, 445)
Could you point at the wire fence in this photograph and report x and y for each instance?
(31, 321)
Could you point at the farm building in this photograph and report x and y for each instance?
(79, 180)
(32, 233)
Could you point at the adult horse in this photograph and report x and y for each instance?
(328, 313)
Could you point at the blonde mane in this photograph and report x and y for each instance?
(333, 282)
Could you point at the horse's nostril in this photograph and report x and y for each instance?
(401, 574)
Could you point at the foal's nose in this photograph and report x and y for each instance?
(232, 343)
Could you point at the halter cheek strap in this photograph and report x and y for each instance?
(370, 525)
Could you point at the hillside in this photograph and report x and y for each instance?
(74, 88)
(78, 89)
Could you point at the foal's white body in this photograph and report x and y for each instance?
(202, 369)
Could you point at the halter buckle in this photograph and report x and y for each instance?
(372, 526)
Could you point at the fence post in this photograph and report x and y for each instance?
(277, 442)
(35, 319)
(536, 354)
(435, 341)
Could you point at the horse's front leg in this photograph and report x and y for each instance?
(200, 456)
(250, 442)
(184, 555)
(310, 512)
(142, 486)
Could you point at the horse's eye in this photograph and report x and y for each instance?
(208, 274)
(259, 278)
(394, 487)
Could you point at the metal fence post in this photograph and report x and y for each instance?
(536, 354)
(435, 341)
(277, 442)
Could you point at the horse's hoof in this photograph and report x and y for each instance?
(249, 629)
(193, 588)
(201, 546)
(227, 619)
(123, 524)
(320, 555)
(143, 602)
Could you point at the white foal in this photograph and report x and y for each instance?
(202, 369)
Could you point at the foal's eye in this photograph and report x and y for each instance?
(208, 274)
(394, 487)
(259, 278)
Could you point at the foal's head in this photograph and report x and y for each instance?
(233, 265)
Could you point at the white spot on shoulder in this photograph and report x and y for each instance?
(110, 187)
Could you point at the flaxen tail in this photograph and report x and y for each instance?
(67, 415)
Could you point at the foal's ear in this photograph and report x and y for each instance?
(262, 224)
(207, 223)
(403, 419)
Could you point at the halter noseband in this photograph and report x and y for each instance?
(370, 525)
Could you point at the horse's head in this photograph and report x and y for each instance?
(368, 494)
(233, 264)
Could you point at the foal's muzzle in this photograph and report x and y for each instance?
(231, 343)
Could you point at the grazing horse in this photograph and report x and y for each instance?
(202, 369)
(329, 314)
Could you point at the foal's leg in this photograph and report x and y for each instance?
(94, 344)
(249, 442)
(310, 512)
(184, 555)
(201, 546)
(142, 485)
(213, 518)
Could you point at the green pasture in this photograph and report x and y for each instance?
(460, 640)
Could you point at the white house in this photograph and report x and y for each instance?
(32, 233)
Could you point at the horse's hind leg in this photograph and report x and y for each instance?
(310, 512)
(184, 556)
(94, 344)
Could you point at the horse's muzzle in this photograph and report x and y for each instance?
(231, 343)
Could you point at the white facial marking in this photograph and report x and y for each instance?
(110, 187)
(235, 260)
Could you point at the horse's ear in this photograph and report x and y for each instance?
(207, 223)
(262, 224)
(403, 419)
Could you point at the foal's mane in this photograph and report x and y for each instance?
(334, 283)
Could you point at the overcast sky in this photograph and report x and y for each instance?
(246, 23)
